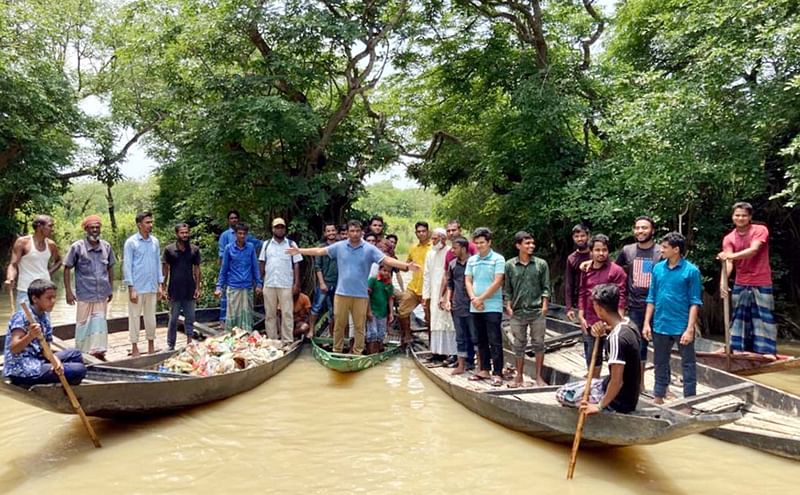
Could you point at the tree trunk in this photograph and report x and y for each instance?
(111, 215)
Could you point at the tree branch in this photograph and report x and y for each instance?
(267, 53)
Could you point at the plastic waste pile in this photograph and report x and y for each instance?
(224, 354)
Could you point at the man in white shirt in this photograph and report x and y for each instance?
(281, 281)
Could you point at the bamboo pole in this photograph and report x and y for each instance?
(726, 316)
(48, 353)
(573, 458)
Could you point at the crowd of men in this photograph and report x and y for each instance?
(651, 293)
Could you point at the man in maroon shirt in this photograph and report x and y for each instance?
(746, 248)
(600, 271)
(572, 275)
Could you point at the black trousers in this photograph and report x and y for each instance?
(490, 340)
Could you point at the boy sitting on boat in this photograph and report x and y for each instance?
(618, 392)
(25, 364)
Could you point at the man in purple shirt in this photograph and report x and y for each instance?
(600, 271)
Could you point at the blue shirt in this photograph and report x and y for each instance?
(229, 236)
(483, 271)
(353, 264)
(239, 268)
(141, 266)
(673, 291)
(29, 362)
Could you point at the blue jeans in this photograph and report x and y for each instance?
(74, 370)
(465, 346)
(323, 301)
(376, 329)
(175, 308)
(637, 318)
(663, 347)
(588, 348)
(490, 340)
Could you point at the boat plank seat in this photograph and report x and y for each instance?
(730, 390)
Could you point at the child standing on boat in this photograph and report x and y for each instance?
(379, 313)
(25, 364)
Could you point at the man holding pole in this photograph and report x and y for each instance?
(618, 392)
(746, 248)
(25, 363)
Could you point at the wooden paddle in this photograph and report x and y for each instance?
(573, 458)
(48, 353)
(726, 316)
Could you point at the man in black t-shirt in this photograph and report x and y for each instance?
(619, 391)
(181, 266)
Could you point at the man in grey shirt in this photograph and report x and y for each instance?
(93, 261)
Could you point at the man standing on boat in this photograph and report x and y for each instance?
(327, 274)
(238, 276)
(226, 238)
(619, 391)
(141, 270)
(281, 281)
(457, 302)
(93, 261)
(354, 257)
(484, 283)
(443, 334)
(526, 293)
(412, 296)
(638, 260)
(600, 271)
(673, 302)
(32, 257)
(24, 361)
(182, 271)
(572, 274)
(746, 248)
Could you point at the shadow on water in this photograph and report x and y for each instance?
(631, 467)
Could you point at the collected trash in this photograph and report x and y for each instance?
(235, 351)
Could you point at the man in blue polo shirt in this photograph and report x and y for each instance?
(483, 278)
(354, 257)
(673, 302)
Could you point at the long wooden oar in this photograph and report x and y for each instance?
(48, 353)
(573, 458)
(726, 316)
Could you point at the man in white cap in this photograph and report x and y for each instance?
(281, 281)
(443, 333)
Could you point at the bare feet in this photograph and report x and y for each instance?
(134, 350)
(458, 370)
(540, 382)
(658, 400)
(151, 346)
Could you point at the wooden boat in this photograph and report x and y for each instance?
(712, 353)
(113, 392)
(769, 420)
(536, 412)
(346, 363)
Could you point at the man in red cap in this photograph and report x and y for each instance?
(93, 261)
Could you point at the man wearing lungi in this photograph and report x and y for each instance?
(746, 249)
(93, 261)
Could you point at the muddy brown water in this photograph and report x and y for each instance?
(384, 430)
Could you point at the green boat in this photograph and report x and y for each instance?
(346, 363)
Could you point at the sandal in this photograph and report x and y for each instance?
(497, 381)
(514, 385)
(477, 378)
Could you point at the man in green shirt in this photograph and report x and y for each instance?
(526, 292)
